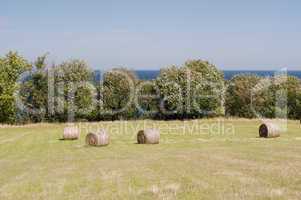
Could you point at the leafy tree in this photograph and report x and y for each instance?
(239, 95)
(118, 92)
(171, 82)
(147, 99)
(251, 96)
(72, 82)
(191, 91)
(34, 92)
(206, 88)
(208, 71)
(291, 87)
(11, 67)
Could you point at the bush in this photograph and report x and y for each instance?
(118, 93)
(191, 91)
(147, 99)
(207, 85)
(33, 93)
(171, 82)
(287, 93)
(11, 67)
(251, 96)
(73, 90)
(239, 96)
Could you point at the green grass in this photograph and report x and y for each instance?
(190, 163)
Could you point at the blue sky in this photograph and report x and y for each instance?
(233, 34)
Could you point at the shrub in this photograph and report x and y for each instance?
(118, 93)
(207, 85)
(72, 81)
(191, 91)
(287, 93)
(239, 96)
(147, 99)
(251, 96)
(171, 82)
(33, 93)
(11, 67)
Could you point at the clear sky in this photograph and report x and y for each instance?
(150, 34)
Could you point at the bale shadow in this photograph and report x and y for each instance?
(62, 139)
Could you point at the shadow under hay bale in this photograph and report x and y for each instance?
(148, 136)
(71, 133)
(101, 138)
(269, 130)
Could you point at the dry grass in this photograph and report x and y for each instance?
(191, 162)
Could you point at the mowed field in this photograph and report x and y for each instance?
(200, 159)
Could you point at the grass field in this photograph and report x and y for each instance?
(204, 159)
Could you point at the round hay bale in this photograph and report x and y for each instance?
(101, 138)
(148, 136)
(269, 130)
(71, 133)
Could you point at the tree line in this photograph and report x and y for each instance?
(36, 92)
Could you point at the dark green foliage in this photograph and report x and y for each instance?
(85, 101)
(239, 94)
(73, 92)
(73, 95)
(118, 93)
(33, 93)
(170, 83)
(67, 92)
(251, 96)
(11, 67)
(147, 99)
(206, 88)
(191, 91)
(291, 86)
